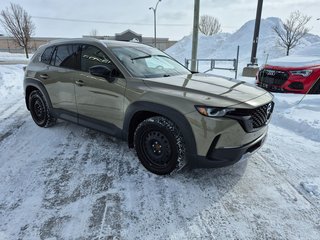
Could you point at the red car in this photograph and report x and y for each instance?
(290, 79)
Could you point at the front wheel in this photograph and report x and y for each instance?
(159, 145)
(39, 110)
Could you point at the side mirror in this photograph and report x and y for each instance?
(101, 71)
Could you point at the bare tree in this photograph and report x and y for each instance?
(209, 25)
(17, 22)
(293, 30)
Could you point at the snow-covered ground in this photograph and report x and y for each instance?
(70, 182)
(13, 57)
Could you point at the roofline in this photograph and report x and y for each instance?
(107, 43)
(128, 30)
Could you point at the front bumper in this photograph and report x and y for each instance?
(222, 157)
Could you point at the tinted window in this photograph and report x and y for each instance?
(46, 56)
(67, 56)
(92, 56)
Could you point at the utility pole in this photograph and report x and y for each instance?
(154, 9)
(195, 35)
(252, 67)
(254, 61)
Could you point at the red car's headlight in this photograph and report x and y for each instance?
(304, 73)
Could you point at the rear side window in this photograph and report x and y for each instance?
(67, 56)
(46, 56)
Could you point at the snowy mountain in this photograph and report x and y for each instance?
(224, 45)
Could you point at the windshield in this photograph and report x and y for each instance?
(147, 62)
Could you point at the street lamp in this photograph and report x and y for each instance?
(155, 21)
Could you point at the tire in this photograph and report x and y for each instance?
(159, 145)
(39, 110)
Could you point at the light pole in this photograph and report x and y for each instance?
(195, 35)
(155, 21)
(256, 35)
(251, 69)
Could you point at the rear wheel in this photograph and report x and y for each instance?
(39, 110)
(159, 145)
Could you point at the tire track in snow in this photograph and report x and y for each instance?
(12, 118)
(285, 179)
(303, 153)
(12, 109)
(84, 170)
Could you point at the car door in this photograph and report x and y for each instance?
(64, 63)
(99, 100)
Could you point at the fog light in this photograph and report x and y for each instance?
(296, 85)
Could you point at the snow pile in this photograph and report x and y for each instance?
(224, 45)
(209, 44)
(13, 87)
(11, 57)
(299, 117)
(308, 56)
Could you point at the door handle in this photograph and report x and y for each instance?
(80, 83)
(44, 76)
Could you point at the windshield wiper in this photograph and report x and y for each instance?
(141, 57)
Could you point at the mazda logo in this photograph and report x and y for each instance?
(269, 108)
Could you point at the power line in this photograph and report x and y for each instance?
(109, 22)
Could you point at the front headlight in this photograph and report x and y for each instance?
(304, 73)
(213, 111)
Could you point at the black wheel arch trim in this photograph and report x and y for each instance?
(157, 109)
(36, 84)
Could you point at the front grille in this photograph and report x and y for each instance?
(273, 77)
(252, 119)
(260, 115)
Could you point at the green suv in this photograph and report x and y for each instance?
(171, 116)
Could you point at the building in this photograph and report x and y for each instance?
(7, 44)
(129, 35)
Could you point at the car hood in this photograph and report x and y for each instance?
(209, 90)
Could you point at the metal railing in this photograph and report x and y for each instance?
(213, 63)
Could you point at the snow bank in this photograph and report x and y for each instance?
(224, 45)
(308, 56)
(5, 56)
(299, 117)
(209, 44)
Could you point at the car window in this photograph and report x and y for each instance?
(67, 56)
(146, 62)
(92, 56)
(46, 56)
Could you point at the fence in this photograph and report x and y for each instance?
(213, 63)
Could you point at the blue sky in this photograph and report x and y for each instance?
(175, 17)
